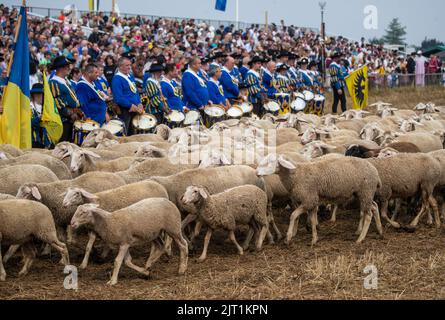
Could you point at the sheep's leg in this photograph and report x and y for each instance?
(290, 232)
(433, 203)
(2, 268)
(334, 214)
(384, 213)
(249, 237)
(70, 239)
(46, 250)
(422, 211)
(233, 238)
(183, 252)
(11, 251)
(376, 214)
(123, 249)
(131, 265)
(157, 250)
(272, 221)
(196, 231)
(261, 237)
(206, 245)
(91, 240)
(105, 252)
(168, 245)
(366, 224)
(29, 254)
(189, 219)
(360, 224)
(396, 210)
(314, 223)
(443, 211)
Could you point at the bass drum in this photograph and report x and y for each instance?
(83, 128)
(145, 123)
(116, 127)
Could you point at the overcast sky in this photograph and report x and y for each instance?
(343, 17)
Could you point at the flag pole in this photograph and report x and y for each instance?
(237, 14)
(113, 6)
(11, 59)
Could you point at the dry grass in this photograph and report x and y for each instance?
(410, 266)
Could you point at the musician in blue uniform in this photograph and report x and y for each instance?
(228, 81)
(306, 75)
(337, 82)
(256, 92)
(292, 73)
(194, 88)
(216, 92)
(91, 98)
(101, 82)
(235, 72)
(269, 80)
(40, 137)
(125, 93)
(204, 68)
(65, 97)
(283, 87)
(153, 91)
(170, 88)
(244, 69)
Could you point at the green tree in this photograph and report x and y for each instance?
(395, 34)
(376, 41)
(430, 43)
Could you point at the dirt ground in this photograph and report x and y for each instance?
(409, 265)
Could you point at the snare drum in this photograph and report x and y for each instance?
(116, 126)
(82, 128)
(235, 112)
(213, 114)
(319, 104)
(192, 118)
(247, 108)
(299, 103)
(145, 123)
(174, 119)
(272, 107)
(308, 95)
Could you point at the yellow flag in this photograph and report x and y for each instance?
(50, 114)
(358, 87)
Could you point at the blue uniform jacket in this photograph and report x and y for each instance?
(171, 94)
(90, 102)
(122, 93)
(195, 91)
(153, 92)
(254, 87)
(269, 84)
(229, 84)
(64, 96)
(102, 85)
(216, 92)
(337, 76)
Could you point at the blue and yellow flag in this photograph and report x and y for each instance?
(50, 114)
(358, 85)
(15, 122)
(221, 5)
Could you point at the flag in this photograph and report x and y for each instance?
(357, 83)
(93, 5)
(117, 10)
(221, 5)
(15, 122)
(50, 114)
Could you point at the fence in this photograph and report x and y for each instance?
(377, 82)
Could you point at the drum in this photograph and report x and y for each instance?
(82, 128)
(174, 119)
(319, 100)
(192, 118)
(116, 126)
(308, 95)
(235, 113)
(247, 108)
(299, 103)
(272, 107)
(213, 114)
(145, 123)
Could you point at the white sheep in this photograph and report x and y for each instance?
(140, 223)
(21, 221)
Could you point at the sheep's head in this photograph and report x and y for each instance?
(194, 194)
(273, 164)
(348, 115)
(97, 136)
(387, 153)
(313, 134)
(371, 131)
(83, 215)
(163, 131)
(79, 158)
(64, 150)
(329, 120)
(214, 158)
(409, 125)
(387, 111)
(441, 135)
(150, 151)
(106, 143)
(359, 151)
(77, 197)
(29, 191)
(316, 149)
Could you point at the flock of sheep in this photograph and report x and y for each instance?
(163, 188)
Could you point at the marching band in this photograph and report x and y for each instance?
(229, 82)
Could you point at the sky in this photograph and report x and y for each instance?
(343, 17)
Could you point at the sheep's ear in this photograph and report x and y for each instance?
(203, 192)
(88, 196)
(36, 194)
(327, 146)
(286, 164)
(91, 154)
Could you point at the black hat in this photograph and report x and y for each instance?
(293, 56)
(205, 60)
(37, 88)
(60, 62)
(336, 54)
(303, 61)
(219, 54)
(236, 55)
(312, 64)
(254, 60)
(283, 54)
(156, 68)
(282, 66)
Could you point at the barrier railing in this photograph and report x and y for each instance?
(405, 80)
